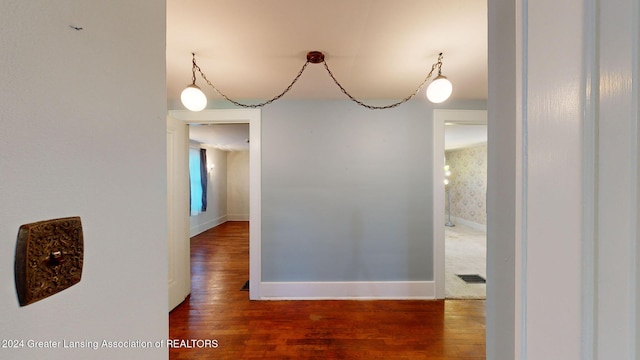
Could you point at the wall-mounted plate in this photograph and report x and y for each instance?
(49, 256)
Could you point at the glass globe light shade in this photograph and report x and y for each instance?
(439, 90)
(193, 98)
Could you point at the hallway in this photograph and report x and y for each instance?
(218, 309)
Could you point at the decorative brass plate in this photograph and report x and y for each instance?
(49, 257)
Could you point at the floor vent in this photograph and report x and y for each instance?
(245, 287)
(473, 279)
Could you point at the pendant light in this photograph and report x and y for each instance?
(438, 90)
(192, 97)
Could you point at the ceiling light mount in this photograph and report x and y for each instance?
(315, 57)
(438, 91)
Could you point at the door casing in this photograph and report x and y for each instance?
(253, 118)
(440, 117)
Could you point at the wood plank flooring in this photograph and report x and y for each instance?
(218, 310)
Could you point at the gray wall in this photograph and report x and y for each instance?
(347, 191)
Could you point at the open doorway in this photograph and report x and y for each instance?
(252, 118)
(466, 215)
(441, 216)
(227, 173)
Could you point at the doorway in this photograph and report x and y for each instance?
(442, 117)
(227, 173)
(466, 226)
(253, 118)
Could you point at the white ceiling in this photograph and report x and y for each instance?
(227, 137)
(377, 49)
(458, 136)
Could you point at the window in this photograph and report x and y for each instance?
(198, 180)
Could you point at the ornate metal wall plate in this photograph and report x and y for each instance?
(49, 256)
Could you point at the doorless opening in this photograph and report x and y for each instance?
(252, 117)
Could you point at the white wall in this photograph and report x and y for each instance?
(216, 213)
(238, 185)
(77, 138)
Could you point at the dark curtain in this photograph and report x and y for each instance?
(203, 177)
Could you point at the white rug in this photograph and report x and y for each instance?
(465, 254)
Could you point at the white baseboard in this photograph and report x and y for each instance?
(348, 290)
(238, 217)
(207, 225)
(471, 224)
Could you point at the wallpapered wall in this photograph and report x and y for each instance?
(468, 183)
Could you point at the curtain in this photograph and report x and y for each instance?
(198, 180)
(195, 182)
(203, 178)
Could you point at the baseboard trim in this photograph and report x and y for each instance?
(348, 290)
(206, 226)
(238, 217)
(471, 224)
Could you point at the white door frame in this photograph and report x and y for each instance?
(179, 269)
(253, 118)
(440, 117)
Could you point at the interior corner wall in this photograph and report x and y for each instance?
(77, 139)
(216, 213)
(347, 192)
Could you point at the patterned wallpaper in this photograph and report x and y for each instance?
(468, 183)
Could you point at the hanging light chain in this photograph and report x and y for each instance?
(373, 107)
(193, 68)
(253, 106)
(438, 65)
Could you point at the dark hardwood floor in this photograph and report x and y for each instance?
(218, 310)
